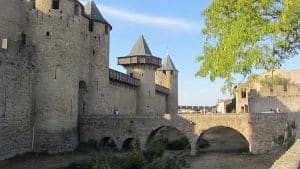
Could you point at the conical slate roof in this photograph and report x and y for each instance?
(140, 48)
(93, 12)
(168, 64)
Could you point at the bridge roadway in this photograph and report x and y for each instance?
(259, 129)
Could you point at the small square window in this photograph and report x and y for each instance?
(55, 4)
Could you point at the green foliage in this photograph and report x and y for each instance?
(167, 161)
(101, 162)
(155, 150)
(275, 80)
(242, 35)
(253, 78)
(79, 165)
(129, 160)
(179, 144)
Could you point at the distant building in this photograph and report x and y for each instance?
(196, 109)
(222, 105)
(253, 97)
(243, 89)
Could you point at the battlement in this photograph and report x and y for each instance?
(123, 78)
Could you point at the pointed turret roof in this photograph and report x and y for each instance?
(93, 12)
(168, 64)
(140, 48)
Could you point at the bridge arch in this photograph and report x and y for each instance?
(222, 138)
(150, 137)
(130, 143)
(108, 143)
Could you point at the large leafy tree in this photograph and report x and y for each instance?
(244, 35)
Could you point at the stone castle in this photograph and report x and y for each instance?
(54, 69)
(254, 97)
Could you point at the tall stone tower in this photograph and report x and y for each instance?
(167, 76)
(141, 64)
(72, 52)
(98, 85)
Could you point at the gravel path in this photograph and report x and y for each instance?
(213, 160)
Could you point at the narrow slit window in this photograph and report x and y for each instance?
(91, 26)
(55, 4)
(33, 4)
(285, 88)
(23, 39)
(106, 30)
(244, 93)
(76, 9)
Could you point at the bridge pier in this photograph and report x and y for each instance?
(193, 151)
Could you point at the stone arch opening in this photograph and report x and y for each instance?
(222, 139)
(171, 137)
(108, 144)
(82, 96)
(130, 144)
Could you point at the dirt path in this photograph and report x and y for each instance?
(219, 160)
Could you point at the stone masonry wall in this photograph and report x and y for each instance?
(15, 83)
(122, 98)
(15, 100)
(259, 129)
(288, 101)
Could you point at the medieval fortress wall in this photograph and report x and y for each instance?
(54, 67)
(56, 85)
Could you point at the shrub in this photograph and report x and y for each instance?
(129, 160)
(155, 150)
(100, 163)
(180, 144)
(78, 165)
(167, 161)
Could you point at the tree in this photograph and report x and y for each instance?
(244, 35)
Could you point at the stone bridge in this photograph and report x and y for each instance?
(260, 130)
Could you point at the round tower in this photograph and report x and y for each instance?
(141, 64)
(64, 45)
(169, 79)
(99, 30)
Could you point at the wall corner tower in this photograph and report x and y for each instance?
(167, 76)
(141, 64)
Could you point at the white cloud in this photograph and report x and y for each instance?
(166, 22)
(177, 24)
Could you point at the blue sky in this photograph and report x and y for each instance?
(168, 26)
